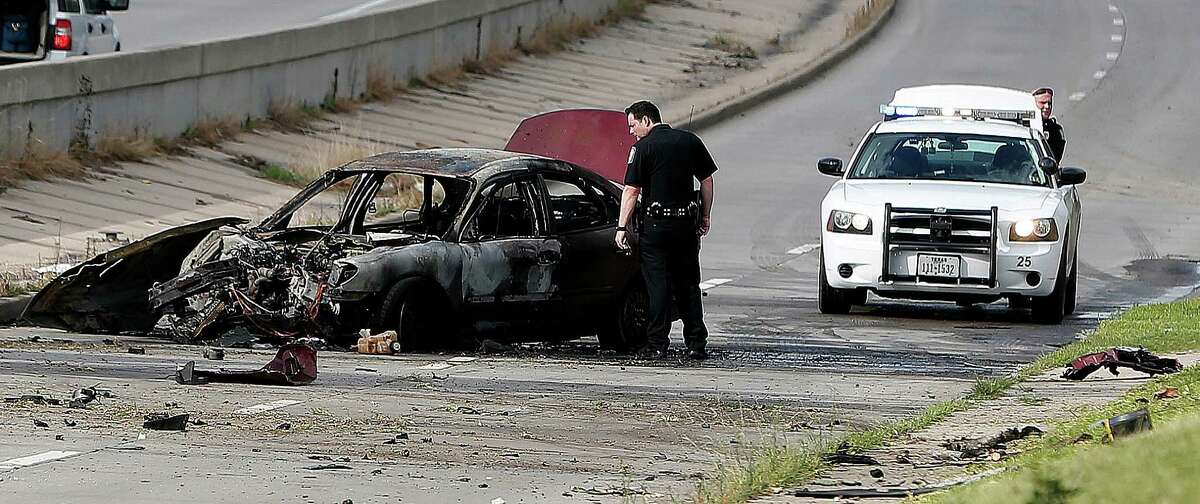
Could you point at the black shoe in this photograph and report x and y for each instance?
(652, 353)
(697, 354)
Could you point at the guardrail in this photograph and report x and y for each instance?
(160, 93)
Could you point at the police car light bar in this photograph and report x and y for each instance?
(896, 111)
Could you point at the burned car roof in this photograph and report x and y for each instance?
(445, 162)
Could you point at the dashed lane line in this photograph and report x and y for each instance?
(715, 282)
(267, 406)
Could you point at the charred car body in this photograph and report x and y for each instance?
(434, 244)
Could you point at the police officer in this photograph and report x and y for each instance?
(663, 165)
(1044, 97)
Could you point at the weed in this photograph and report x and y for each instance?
(130, 148)
(291, 117)
(865, 15)
(381, 87)
(210, 132)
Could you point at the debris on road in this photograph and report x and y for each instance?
(39, 423)
(34, 398)
(136, 350)
(294, 364)
(896, 491)
(1134, 358)
(978, 447)
(842, 455)
(489, 346)
(385, 343)
(325, 467)
(610, 490)
(87, 395)
(214, 353)
(166, 422)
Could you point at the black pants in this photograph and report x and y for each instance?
(670, 252)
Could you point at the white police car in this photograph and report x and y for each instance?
(953, 196)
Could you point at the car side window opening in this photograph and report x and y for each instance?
(68, 6)
(95, 7)
(507, 211)
(950, 156)
(574, 204)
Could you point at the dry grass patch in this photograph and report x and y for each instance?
(556, 35)
(321, 154)
(39, 162)
(110, 149)
(495, 60)
(727, 42)
(381, 87)
(288, 116)
(21, 282)
(212, 131)
(865, 15)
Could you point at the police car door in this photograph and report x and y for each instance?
(509, 262)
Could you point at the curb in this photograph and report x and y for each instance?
(12, 307)
(805, 74)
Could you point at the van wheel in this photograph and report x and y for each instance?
(829, 299)
(415, 311)
(625, 329)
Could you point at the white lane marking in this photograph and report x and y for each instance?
(1099, 74)
(1112, 56)
(35, 459)
(462, 360)
(1117, 37)
(804, 249)
(355, 10)
(1078, 96)
(437, 366)
(268, 406)
(1113, 8)
(1118, 22)
(715, 282)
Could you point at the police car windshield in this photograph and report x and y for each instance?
(950, 156)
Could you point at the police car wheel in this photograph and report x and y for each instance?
(1051, 309)
(1072, 284)
(410, 310)
(625, 327)
(829, 299)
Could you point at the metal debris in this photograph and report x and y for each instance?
(137, 350)
(294, 364)
(214, 353)
(834, 493)
(166, 422)
(1127, 424)
(324, 467)
(1134, 358)
(978, 447)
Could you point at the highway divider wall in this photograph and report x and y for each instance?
(160, 93)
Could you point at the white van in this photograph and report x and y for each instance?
(32, 30)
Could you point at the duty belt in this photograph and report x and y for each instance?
(658, 210)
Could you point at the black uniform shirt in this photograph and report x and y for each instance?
(1055, 137)
(664, 162)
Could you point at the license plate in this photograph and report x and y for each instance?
(937, 265)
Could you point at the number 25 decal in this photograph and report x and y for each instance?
(1024, 261)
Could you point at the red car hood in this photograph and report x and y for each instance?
(595, 139)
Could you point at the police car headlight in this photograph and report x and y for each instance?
(1034, 230)
(848, 222)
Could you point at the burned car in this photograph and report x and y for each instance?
(436, 244)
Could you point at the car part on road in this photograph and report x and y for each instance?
(1134, 358)
(898, 491)
(214, 353)
(973, 448)
(1127, 424)
(166, 422)
(294, 364)
(136, 350)
(386, 343)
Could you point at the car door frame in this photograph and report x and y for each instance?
(510, 283)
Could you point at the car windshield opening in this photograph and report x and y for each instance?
(950, 156)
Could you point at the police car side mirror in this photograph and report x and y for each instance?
(1048, 165)
(830, 166)
(1071, 176)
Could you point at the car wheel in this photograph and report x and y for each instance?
(1051, 309)
(625, 328)
(829, 299)
(1072, 284)
(414, 311)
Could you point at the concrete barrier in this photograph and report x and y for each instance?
(162, 92)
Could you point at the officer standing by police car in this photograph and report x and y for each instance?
(1044, 98)
(663, 165)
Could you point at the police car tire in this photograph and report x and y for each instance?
(621, 331)
(829, 299)
(1072, 289)
(410, 310)
(1051, 309)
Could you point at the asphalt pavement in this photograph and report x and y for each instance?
(150, 24)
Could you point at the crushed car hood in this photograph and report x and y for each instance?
(933, 193)
(107, 294)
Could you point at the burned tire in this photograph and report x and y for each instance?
(829, 299)
(416, 312)
(625, 329)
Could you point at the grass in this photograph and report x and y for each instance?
(725, 41)
(556, 35)
(25, 281)
(211, 131)
(288, 116)
(381, 87)
(1155, 466)
(321, 154)
(1166, 328)
(865, 15)
(129, 148)
(38, 162)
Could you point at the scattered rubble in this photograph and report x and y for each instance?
(1127, 424)
(166, 422)
(980, 447)
(214, 353)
